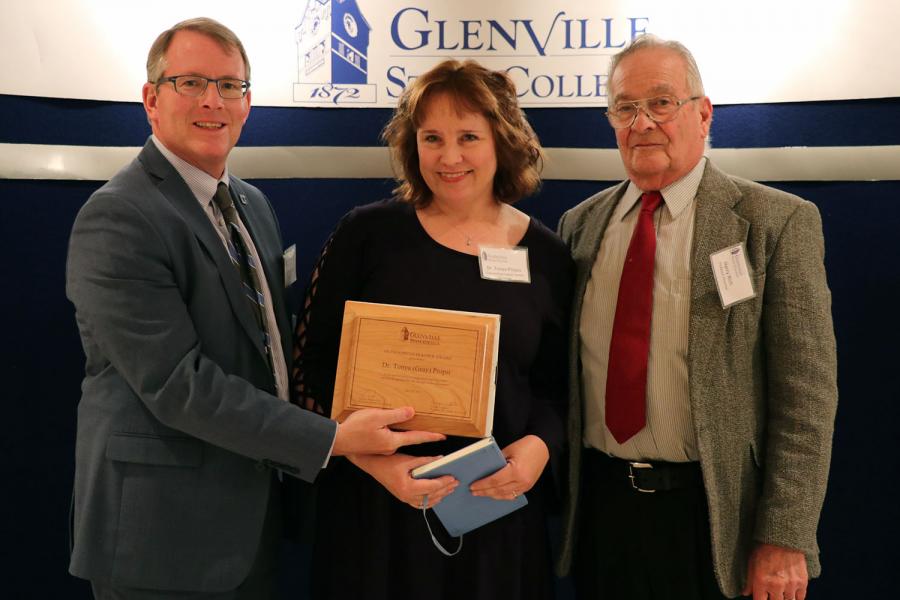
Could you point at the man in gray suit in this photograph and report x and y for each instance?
(184, 424)
(704, 373)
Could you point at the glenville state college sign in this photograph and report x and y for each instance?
(351, 55)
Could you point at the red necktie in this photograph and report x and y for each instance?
(626, 374)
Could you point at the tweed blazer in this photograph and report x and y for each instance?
(762, 373)
(178, 425)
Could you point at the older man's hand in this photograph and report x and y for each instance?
(776, 572)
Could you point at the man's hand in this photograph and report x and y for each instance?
(393, 472)
(776, 572)
(525, 461)
(367, 431)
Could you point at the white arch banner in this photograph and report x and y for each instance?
(361, 53)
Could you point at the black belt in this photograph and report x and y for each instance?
(642, 476)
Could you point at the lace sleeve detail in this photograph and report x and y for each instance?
(300, 390)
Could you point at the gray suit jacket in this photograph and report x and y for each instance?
(178, 427)
(763, 387)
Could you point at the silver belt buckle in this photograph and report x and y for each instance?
(638, 465)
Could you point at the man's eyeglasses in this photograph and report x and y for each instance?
(660, 109)
(194, 85)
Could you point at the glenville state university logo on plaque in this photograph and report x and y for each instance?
(332, 54)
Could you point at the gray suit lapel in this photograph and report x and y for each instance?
(173, 187)
(586, 244)
(716, 226)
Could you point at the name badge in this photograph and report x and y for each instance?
(290, 265)
(504, 264)
(732, 275)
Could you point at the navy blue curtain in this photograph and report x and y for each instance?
(42, 358)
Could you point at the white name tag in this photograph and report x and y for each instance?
(504, 264)
(290, 265)
(732, 275)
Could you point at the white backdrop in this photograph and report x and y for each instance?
(749, 51)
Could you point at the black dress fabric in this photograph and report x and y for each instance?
(368, 544)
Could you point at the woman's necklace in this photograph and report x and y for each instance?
(469, 238)
(465, 235)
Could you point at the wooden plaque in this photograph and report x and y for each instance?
(440, 362)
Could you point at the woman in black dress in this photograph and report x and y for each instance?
(464, 153)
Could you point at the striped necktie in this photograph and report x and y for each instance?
(245, 264)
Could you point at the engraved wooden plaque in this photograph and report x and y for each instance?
(440, 362)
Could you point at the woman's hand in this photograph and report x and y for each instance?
(393, 472)
(525, 461)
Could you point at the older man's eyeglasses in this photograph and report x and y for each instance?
(660, 109)
(195, 85)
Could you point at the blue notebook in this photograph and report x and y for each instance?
(461, 512)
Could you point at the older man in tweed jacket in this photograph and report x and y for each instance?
(734, 440)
